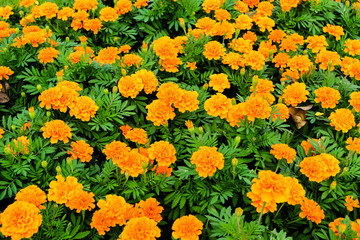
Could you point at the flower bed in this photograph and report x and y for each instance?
(187, 119)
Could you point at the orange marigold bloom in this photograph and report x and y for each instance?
(352, 47)
(48, 9)
(286, 5)
(1, 133)
(65, 13)
(148, 79)
(252, 3)
(254, 59)
(326, 57)
(117, 151)
(80, 149)
(290, 76)
(316, 43)
(259, 203)
(132, 59)
(93, 25)
(262, 88)
(336, 224)
(300, 63)
(288, 45)
(170, 64)
(241, 45)
(281, 60)
(207, 160)
(137, 135)
(267, 49)
(150, 208)
(20, 220)
(73, 85)
(280, 111)
(164, 47)
(32, 194)
(206, 24)
(108, 55)
(123, 6)
(276, 35)
(342, 119)
(56, 130)
(85, 5)
(163, 152)
(21, 145)
(243, 22)
(163, 170)
(241, 7)
(159, 112)
(210, 5)
(84, 108)
(218, 105)
(307, 145)
(327, 96)
(191, 65)
(346, 64)
(336, 31)
(169, 92)
(130, 86)
(295, 93)
(320, 167)
(265, 9)
(312, 210)
(6, 12)
(257, 107)
(187, 228)
(354, 70)
(222, 14)
(265, 23)
(133, 163)
(108, 14)
(350, 203)
(353, 144)
(219, 82)
(124, 48)
(27, 3)
(188, 101)
(234, 60)
(113, 211)
(271, 187)
(223, 28)
(236, 112)
(281, 151)
(297, 192)
(47, 55)
(250, 36)
(213, 50)
(141, 228)
(5, 72)
(125, 129)
(59, 97)
(141, 3)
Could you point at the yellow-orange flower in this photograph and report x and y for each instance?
(47, 55)
(234, 60)
(108, 14)
(280, 111)
(65, 13)
(353, 144)
(352, 47)
(219, 82)
(210, 5)
(32, 194)
(85, 5)
(213, 50)
(170, 93)
(81, 150)
(295, 93)
(133, 163)
(207, 160)
(150, 208)
(123, 6)
(301, 64)
(342, 119)
(163, 152)
(281, 151)
(327, 96)
(6, 12)
(130, 86)
(137, 135)
(312, 210)
(336, 224)
(254, 59)
(20, 220)
(276, 35)
(258, 203)
(84, 108)
(327, 60)
(117, 151)
(187, 228)
(159, 112)
(131, 59)
(22, 144)
(27, 3)
(316, 43)
(108, 55)
(320, 167)
(140, 229)
(48, 9)
(56, 130)
(297, 192)
(148, 79)
(5, 72)
(350, 203)
(93, 25)
(336, 31)
(218, 105)
(59, 97)
(235, 114)
(355, 100)
(257, 107)
(188, 101)
(1, 133)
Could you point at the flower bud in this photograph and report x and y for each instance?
(127, 175)
(58, 170)
(237, 140)
(47, 28)
(39, 87)
(333, 185)
(242, 72)
(123, 72)
(17, 30)
(55, 206)
(67, 39)
(106, 91)
(318, 114)
(182, 23)
(201, 130)
(347, 3)
(305, 52)
(69, 161)
(48, 113)
(144, 165)
(13, 127)
(115, 90)
(239, 211)
(234, 162)
(44, 164)
(206, 86)
(31, 112)
(23, 94)
(233, 101)
(345, 169)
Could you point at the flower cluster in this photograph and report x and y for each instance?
(207, 160)
(320, 167)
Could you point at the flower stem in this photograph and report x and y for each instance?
(262, 211)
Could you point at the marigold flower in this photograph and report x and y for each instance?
(280, 111)
(80, 149)
(133, 163)
(297, 192)
(316, 43)
(22, 144)
(163, 152)
(187, 228)
(150, 208)
(191, 65)
(113, 211)
(188, 101)
(300, 63)
(276, 35)
(170, 64)
(125, 129)
(93, 25)
(254, 59)
(159, 112)
(307, 145)
(72, 85)
(107, 55)
(189, 124)
(162, 170)
(117, 151)
(206, 24)
(56, 130)
(320, 167)
(355, 101)
(123, 6)
(207, 160)
(5, 72)
(27, 3)
(20, 220)
(336, 31)
(267, 49)
(48, 9)
(234, 60)
(84, 108)
(47, 55)
(258, 203)
(169, 92)
(352, 47)
(218, 105)
(1, 133)
(265, 23)
(213, 50)
(6, 12)
(141, 228)
(141, 3)
(334, 225)
(165, 47)
(350, 203)
(222, 14)
(328, 60)
(265, 9)
(235, 113)
(252, 3)
(290, 76)
(219, 82)
(286, 5)
(312, 210)
(130, 86)
(210, 5)
(281, 151)
(342, 119)
(59, 97)
(328, 97)
(137, 135)
(262, 88)
(257, 107)
(295, 93)
(243, 22)
(85, 5)
(288, 45)
(241, 7)
(32, 194)
(353, 144)
(65, 13)
(108, 14)
(241, 45)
